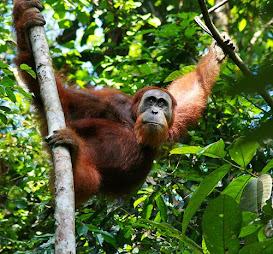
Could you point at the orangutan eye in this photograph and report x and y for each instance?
(162, 103)
(151, 100)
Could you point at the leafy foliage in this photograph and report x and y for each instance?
(193, 199)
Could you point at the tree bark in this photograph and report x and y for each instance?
(64, 187)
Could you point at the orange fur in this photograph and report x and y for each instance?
(191, 92)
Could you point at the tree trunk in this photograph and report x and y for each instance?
(64, 189)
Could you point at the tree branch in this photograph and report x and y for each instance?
(64, 189)
(232, 54)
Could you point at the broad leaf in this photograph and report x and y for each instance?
(242, 24)
(221, 225)
(28, 69)
(168, 230)
(236, 187)
(140, 200)
(250, 224)
(204, 189)
(264, 189)
(148, 211)
(186, 150)
(214, 150)
(10, 95)
(106, 235)
(7, 82)
(4, 108)
(162, 207)
(256, 193)
(82, 230)
(267, 167)
(265, 247)
(249, 229)
(3, 118)
(242, 150)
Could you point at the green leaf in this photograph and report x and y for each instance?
(106, 236)
(248, 230)
(7, 82)
(204, 189)
(268, 209)
(3, 118)
(250, 224)
(23, 92)
(140, 200)
(157, 217)
(10, 95)
(82, 230)
(236, 187)
(186, 150)
(242, 25)
(162, 207)
(214, 150)
(267, 167)
(32, 73)
(242, 150)
(3, 65)
(129, 233)
(190, 31)
(211, 2)
(256, 193)
(249, 217)
(28, 69)
(148, 211)
(84, 217)
(249, 197)
(65, 23)
(4, 108)
(8, 72)
(221, 225)
(177, 74)
(25, 67)
(2, 90)
(265, 247)
(264, 189)
(168, 230)
(85, 3)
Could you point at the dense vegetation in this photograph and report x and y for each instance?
(191, 201)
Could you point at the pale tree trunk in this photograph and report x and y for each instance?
(64, 189)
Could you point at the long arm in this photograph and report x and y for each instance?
(191, 91)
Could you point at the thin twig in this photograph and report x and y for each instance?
(212, 9)
(215, 7)
(198, 20)
(228, 50)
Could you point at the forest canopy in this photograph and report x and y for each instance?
(209, 193)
